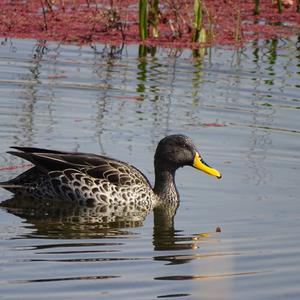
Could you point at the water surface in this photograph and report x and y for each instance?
(241, 108)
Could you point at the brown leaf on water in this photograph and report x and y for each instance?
(58, 76)
(139, 98)
(213, 125)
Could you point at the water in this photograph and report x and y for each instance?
(241, 107)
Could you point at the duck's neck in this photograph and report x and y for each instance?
(164, 186)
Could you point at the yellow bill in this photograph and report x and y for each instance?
(201, 165)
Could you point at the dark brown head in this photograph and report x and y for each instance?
(176, 151)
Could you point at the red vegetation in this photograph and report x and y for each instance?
(88, 21)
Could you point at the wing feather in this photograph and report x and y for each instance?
(97, 166)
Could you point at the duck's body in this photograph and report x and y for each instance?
(80, 177)
(94, 179)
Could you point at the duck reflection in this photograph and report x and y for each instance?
(65, 220)
(168, 239)
(165, 236)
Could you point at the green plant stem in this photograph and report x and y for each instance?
(238, 27)
(210, 33)
(279, 5)
(256, 7)
(197, 20)
(143, 19)
(153, 17)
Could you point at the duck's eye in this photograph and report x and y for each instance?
(181, 145)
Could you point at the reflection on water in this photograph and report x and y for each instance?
(241, 107)
(62, 221)
(66, 220)
(63, 218)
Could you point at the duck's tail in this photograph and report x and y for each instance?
(21, 182)
(12, 187)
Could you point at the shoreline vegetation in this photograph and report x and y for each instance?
(170, 23)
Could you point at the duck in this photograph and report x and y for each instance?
(91, 179)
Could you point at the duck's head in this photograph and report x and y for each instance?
(176, 151)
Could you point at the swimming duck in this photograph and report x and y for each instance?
(86, 178)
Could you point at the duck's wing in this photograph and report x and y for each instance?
(118, 173)
(97, 166)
